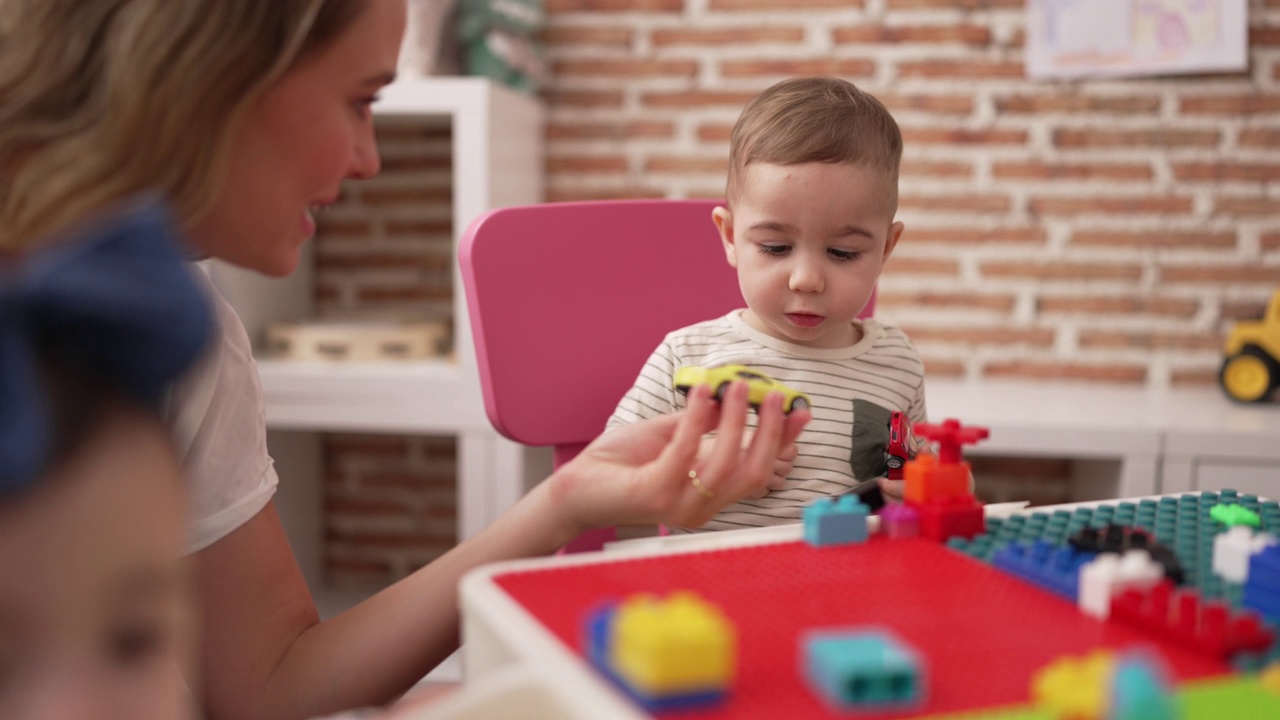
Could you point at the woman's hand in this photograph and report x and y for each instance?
(782, 465)
(644, 474)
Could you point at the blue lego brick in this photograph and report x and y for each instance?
(840, 521)
(869, 668)
(1264, 601)
(1264, 568)
(597, 628)
(1054, 568)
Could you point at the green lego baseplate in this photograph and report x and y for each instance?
(1182, 523)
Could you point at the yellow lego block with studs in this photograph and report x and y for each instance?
(674, 645)
(1075, 687)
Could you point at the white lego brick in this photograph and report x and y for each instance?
(1232, 550)
(1110, 573)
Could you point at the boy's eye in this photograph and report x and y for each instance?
(843, 255)
(773, 249)
(135, 644)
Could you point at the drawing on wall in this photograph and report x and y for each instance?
(1116, 38)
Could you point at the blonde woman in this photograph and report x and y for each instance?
(246, 115)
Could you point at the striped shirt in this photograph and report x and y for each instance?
(853, 390)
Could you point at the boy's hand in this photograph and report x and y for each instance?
(893, 490)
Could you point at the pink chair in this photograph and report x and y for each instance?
(568, 300)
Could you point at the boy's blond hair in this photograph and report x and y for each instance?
(103, 99)
(818, 119)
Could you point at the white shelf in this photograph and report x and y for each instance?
(420, 397)
(1027, 417)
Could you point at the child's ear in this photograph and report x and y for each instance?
(891, 242)
(724, 223)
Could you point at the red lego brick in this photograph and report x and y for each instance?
(1180, 615)
(929, 480)
(954, 518)
(951, 436)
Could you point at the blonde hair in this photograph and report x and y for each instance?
(103, 99)
(817, 119)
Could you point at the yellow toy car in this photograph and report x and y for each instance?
(759, 385)
(1251, 364)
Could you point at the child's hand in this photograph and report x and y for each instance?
(893, 490)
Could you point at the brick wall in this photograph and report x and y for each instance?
(385, 251)
(1100, 230)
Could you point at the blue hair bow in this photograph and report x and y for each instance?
(114, 304)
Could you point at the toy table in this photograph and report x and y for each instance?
(984, 632)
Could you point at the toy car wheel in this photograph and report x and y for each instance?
(721, 390)
(798, 404)
(1249, 376)
(893, 462)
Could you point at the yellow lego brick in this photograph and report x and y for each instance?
(1075, 687)
(680, 644)
(1270, 677)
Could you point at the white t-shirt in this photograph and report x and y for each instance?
(219, 425)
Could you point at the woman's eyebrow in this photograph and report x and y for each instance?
(379, 80)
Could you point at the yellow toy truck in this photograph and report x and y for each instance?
(1251, 357)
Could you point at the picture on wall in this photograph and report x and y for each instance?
(1119, 38)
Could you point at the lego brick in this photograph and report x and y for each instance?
(1181, 615)
(1109, 573)
(1264, 601)
(981, 631)
(929, 480)
(1233, 549)
(940, 521)
(835, 521)
(899, 521)
(1264, 569)
(1075, 687)
(600, 646)
(1237, 698)
(1234, 515)
(1054, 568)
(678, 644)
(863, 668)
(1140, 690)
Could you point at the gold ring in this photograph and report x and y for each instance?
(697, 483)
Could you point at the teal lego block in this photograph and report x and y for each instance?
(1140, 690)
(840, 521)
(869, 668)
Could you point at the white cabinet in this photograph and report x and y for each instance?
(1124, 441)
(497, 137)
(1213, 443)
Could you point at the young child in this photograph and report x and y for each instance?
(809, 223)
(95, 615)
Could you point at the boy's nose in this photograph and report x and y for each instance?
(805, 278)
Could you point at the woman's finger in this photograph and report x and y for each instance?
(721, 464)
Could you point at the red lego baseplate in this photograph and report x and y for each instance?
(983, 633)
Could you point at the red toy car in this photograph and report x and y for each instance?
(900, 447)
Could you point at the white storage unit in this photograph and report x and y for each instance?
(497, 137)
